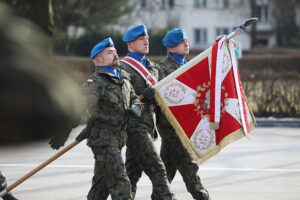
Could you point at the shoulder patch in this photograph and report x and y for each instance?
(89, 80)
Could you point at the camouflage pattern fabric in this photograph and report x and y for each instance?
(3, 182)
(173, 153)
(109, 175)
(108, 98)
(141, 154)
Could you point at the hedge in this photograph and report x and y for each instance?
(271, 82)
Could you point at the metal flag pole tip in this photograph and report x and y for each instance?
(242, 27)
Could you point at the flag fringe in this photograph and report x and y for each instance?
(238, 134)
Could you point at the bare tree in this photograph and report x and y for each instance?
(287, 31)
(253, 8)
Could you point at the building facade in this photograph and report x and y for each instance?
(205, 19)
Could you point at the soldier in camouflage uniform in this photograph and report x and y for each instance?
(174, 155)
(141, 154)
(3, 184)
(109, 97)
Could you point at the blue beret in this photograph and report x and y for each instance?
(101, 46)
(174, 37)
(134, 32)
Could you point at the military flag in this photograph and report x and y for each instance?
(205, 103)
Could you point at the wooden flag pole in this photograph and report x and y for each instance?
(41, 166)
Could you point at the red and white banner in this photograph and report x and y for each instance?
(205, 103)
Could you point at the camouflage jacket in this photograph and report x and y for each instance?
(168, 65)
(108, 99)
(139, 84)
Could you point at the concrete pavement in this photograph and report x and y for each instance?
(267, 167)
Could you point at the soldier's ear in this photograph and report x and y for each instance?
(129, 45)
(98, 60)
(170, 49)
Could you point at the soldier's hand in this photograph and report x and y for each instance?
(82, 135)
(148, 93)
(219, 37)
(58, 141)
(135, 110)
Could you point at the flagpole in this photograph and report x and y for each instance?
(242, 27)
(38, 168)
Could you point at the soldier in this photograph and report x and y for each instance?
(3, 184)
(110, 97)
(174, 155)
(141, 154)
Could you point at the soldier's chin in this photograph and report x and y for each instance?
(116, 63)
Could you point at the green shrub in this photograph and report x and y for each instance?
(270, 82)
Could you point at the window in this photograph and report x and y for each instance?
(199, 3)
(145, 4)
(221, 3)
(222, 31)
(263, 12)
(167, 4)
(263, 42)
(200, 36)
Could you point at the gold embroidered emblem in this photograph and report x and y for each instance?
(226, 62)
(201, 102)
(174, 93)
(203, 139)
(202, 99)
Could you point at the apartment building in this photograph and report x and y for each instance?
(205, 19)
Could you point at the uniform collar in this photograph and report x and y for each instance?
(139, 57)
(110, 70)
(179, 58)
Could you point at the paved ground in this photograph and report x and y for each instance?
(267, 167)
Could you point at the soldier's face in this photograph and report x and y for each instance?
(140, 45)
(182, 48)
(108, 57)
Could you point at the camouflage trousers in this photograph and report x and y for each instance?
(176, 157)
(141, 156)
(110, 176)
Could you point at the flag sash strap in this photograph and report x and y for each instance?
(241, 98)
(146, 75)
(142, 70)
(216, 83)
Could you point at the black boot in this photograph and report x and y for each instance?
(9, 196)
